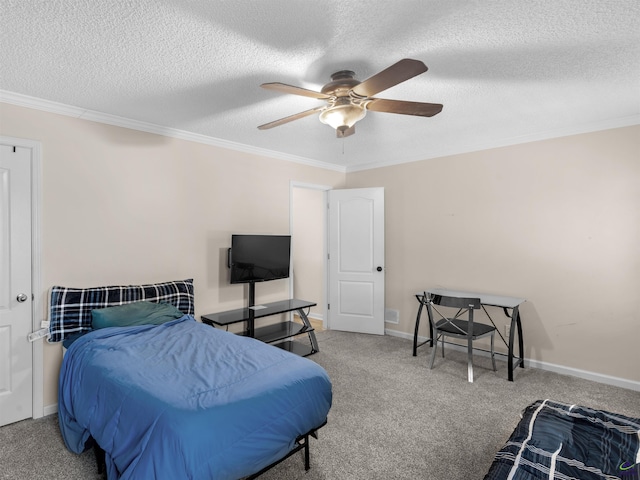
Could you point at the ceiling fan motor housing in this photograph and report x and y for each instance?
(341, 83)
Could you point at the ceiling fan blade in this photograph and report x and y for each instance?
(290, 118)
(284, 88)
(405, 108)
(346, 132)
(387, 78)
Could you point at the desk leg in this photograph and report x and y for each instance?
(515, 324)
(312, 335)
(415, 332)
(516, 313)
(421, 299)
(510, 354)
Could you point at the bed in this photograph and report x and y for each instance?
(161, 395)
(560, 441)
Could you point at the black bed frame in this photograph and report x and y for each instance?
(302, 442)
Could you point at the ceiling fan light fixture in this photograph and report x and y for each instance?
(343, 115)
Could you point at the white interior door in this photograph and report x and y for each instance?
(356, 260)
(16, 367)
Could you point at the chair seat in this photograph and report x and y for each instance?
(479, 329)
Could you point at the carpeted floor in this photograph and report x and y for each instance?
(392, 417)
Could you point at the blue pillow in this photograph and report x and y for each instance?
(131, 314)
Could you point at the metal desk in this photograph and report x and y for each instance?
(486, 300)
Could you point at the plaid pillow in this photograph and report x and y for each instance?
(70, 308)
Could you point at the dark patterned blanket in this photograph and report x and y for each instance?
(559, 441)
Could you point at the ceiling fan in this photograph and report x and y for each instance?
(349, 99)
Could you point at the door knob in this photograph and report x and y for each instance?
(22, 297)
(379, 269)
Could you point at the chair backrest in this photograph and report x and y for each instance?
(463, 304)
(455, 302)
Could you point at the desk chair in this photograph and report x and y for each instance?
(457, 327)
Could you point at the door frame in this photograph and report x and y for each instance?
(37, 305)
(325, 245)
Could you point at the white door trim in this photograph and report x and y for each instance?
(38, 304)
(324, 188)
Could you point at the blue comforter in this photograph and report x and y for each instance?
(183, 400)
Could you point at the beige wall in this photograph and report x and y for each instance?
(308, 246)
(555, 221)
(126, 207)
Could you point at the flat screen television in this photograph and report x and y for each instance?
(259, 258)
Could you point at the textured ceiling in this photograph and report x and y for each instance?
(506, 71)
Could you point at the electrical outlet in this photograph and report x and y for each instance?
(507, 330)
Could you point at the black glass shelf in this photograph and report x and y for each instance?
(243, 314)
(299, 348)
(279, 331)
(275, 333)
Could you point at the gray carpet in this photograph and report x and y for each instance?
(392, 417)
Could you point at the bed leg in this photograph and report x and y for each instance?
(100, 459)
(307, 463)
(301, 443)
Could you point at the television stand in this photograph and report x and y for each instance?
(279, 334)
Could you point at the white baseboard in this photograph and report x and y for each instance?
(576, 372)
(550, 367)
(50, 409)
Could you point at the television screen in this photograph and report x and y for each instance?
(259, 258)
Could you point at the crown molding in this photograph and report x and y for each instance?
(608, 124)
(94, 116)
